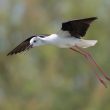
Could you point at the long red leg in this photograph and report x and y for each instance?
(98, 67)
(87, 57)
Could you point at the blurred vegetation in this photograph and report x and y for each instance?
(49, 78)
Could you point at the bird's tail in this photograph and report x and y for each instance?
(86, 43)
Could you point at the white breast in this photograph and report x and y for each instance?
(62, 42)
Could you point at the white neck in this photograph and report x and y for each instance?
(50, 39)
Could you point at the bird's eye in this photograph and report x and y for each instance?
(34, 41)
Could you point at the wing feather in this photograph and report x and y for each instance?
(25, 45)
(78, 28)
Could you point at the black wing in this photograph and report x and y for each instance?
(25, 45)
(78, 28)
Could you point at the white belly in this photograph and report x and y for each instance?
(62, 42)
(67, 42)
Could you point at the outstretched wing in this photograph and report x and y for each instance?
(77, 28)
(25, 45)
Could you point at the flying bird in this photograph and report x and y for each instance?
(69, 36)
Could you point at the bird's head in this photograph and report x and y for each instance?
(36, 41)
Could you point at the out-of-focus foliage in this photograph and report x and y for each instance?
(49, 78)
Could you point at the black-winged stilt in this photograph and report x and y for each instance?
(70, 36)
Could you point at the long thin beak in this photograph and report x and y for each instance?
(30, 46)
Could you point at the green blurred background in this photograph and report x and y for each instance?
(49, 78)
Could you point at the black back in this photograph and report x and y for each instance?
(77, 28)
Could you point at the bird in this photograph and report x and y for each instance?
(69, 36)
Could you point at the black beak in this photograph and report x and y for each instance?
(29, 47)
